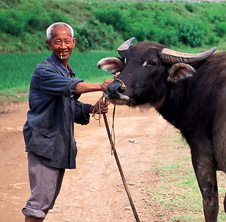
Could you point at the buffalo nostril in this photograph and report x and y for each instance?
(114, 90)
(121, 89)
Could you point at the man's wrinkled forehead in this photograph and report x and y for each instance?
(61, 31)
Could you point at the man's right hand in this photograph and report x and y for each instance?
(105, 84)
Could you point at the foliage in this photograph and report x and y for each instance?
(191, 33)
(106, 24)
(93, 35)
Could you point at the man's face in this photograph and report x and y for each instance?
(61, 43)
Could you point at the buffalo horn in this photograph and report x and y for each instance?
(171, 57)
(126, 44)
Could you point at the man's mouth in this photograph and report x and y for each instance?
(62, 54)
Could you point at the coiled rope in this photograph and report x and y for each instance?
(113, 149)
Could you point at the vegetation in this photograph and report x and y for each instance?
(175, 190)
(16, 69)
(100, 25)
(105, 24)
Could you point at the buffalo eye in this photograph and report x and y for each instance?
(150, 63)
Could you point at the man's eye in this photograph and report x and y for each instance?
(57, 42)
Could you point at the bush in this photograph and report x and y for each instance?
(191, 33)
(221, 28)
(9, 22)
(102, 24)
(95, 36)
(113, 17)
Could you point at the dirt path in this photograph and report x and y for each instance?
(94, 191)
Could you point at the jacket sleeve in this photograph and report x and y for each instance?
(53, 83)
(81, 112)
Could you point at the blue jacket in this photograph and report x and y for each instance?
(49, 129)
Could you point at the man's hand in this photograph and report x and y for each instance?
(105, 84)
(100, 106)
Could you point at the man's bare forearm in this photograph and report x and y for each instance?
(83, 87)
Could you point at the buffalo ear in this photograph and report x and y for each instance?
(111, 64)
(180, 71)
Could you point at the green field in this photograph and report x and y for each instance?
(100, 27)
(16, 69)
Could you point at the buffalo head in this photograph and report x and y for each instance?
(144, 70)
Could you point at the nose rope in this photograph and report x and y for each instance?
(123, 86)
(115, 76)
(97, 108)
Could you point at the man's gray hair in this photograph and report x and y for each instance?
(54, 25)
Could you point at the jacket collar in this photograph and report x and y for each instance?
(62, 69)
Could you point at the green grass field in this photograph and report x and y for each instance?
(16, 69)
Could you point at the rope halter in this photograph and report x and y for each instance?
(115, 76)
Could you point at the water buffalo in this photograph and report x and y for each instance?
(189, 91)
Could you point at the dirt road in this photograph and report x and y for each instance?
(94, 191)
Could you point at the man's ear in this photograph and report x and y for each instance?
(48, 43)
(180, 71)
(74, 41)
(111, 64)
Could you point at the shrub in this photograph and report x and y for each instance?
(221, 28)
(101, 24)
(191, 33)
(212, 39)
(9, 22)
(190, 7)
(93, 35)
(113, 17)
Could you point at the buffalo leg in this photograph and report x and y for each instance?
(206, 175)
(225, 203)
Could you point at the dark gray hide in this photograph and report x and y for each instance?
(189, 91)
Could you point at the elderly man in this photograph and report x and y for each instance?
(49, 129)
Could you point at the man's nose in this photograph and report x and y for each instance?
(63, 45)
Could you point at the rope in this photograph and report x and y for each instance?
(97, 110)
(115, 76)
(120, 168)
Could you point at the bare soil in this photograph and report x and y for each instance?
(94, 191)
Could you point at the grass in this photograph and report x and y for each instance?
(16, 71)
(85, 65)
(177, 191)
